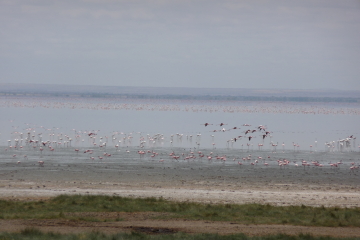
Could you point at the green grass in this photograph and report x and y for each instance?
(33, 233)
(246, 213)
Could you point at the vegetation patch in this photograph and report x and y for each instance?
(65, 207)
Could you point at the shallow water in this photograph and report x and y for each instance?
(157, 166)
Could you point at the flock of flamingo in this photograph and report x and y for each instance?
(37, 141)
(42, 143)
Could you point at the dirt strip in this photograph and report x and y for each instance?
(152, 226)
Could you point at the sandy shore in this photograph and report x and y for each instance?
(343, 196)
(215, 191)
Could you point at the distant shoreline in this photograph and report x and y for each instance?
(223, 94)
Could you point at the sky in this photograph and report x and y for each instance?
(307, 44)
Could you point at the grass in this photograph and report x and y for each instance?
(33, 233)
(246, 213)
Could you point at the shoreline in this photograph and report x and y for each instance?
(278, 195)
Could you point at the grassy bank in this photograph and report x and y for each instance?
(33, 233)
(58, 207)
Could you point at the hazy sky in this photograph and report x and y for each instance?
(180, 43)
